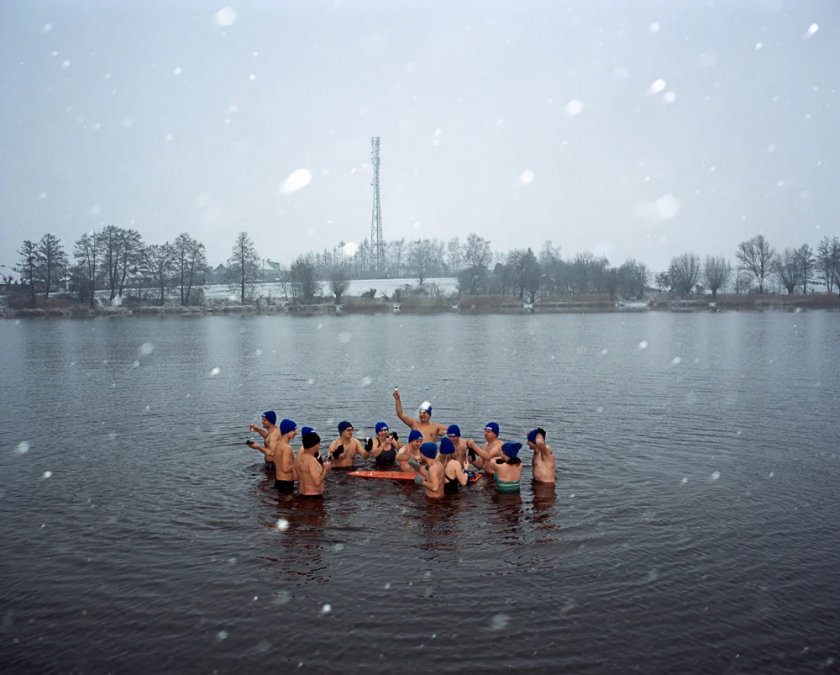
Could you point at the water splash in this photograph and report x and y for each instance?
(23, 447)
(146, 348)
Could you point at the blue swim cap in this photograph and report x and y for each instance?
(428, 450)
(492, 426)
(381, 426)
(425, 405)
(454, 430)
(414, 436)
(271, 416)
(342, 426)
(306, 430)
(511, 449)
(532, 436)
(287, 426)
(447, 447)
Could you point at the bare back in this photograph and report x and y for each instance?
(543, 464)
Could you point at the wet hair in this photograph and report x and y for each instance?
(515, 461)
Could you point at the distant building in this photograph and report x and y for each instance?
(219, 275)
(271, 271)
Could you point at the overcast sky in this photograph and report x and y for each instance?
(627, 128)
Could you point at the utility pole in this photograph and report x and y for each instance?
(377, 242)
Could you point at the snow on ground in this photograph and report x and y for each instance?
(357, 287)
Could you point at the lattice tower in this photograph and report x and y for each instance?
(377, 242)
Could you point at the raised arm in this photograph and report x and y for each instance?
(472, 445)
(262, 432)
(318, 472)
(360, 449)
(405, 418)
(544, 449)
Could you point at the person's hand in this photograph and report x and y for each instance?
(253, 427)
(396, 395)
(414, 464)
(249, 443)
(418, 479)
(338, 452)
(368, 444)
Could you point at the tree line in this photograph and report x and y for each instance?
(118, 261)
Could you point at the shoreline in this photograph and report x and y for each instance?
(466, 306)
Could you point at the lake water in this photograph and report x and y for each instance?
(693, 527)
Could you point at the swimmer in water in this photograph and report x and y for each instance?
(543, 457)
(453, 470)
(508, 467)
(453, 433)
(431, 431)
(311, 468)
(431, 471)
(271, 436)
(410, 450)
(384, 447)
(284, 457)
(343, 450)
(492, 448)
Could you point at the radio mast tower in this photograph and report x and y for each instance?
(377, 243)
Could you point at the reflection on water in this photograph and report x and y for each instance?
(694, 504)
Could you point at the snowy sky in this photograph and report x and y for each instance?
(632, 128)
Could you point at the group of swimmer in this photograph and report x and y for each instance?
(439, 469)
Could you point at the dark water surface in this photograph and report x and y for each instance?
(694, 526)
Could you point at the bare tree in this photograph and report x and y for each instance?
(583, 268)
(532, 275)
(190, 261)
(420, 257)
(756, 256)
(244, 267)
(111, 241)
(454, 256)
(787, 269)
(53, 261)
(396, 256)
(304, 278)
(828, 262)
(86, 254)
(663, 281)
(685, 272)
(159, 264)
(339, 282)
(716, 273)
(806, 261)
(477, 258)
(132, 256)
(29, 266)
